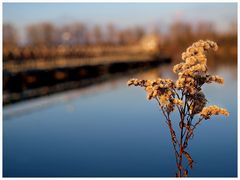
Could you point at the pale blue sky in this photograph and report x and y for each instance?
(121, 14)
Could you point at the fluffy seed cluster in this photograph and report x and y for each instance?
(207, 112)
(178, 102)
(216, 79)
(160, 89)
(192, 74)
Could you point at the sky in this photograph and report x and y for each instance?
(121, 14)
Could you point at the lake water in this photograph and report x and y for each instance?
(111, 130)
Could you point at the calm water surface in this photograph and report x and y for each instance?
(112, 130)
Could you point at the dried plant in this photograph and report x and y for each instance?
(186, 96)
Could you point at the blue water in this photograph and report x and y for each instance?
(112, 130)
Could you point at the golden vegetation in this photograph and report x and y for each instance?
(186, 96)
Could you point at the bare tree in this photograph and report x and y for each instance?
(79, 33)
(111, 34)
(47, 33)
(97, 33)
(33, 35)
(139, 33)
(10, 35)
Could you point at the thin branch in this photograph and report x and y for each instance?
(197, 123)
(189, 134)
(172, 132)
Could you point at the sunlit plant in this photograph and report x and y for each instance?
(185, 96)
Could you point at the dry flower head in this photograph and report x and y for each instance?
(186, 96)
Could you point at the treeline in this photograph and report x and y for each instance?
(46, 40)
(181, 35)
(48, 34)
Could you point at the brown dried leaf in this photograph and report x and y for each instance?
(185, 173)
(173, 136)
(189, 129)
(178, 174)
(189, 158)
(181, 124)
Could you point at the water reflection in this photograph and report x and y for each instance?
(112, 130)
(11, 111)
